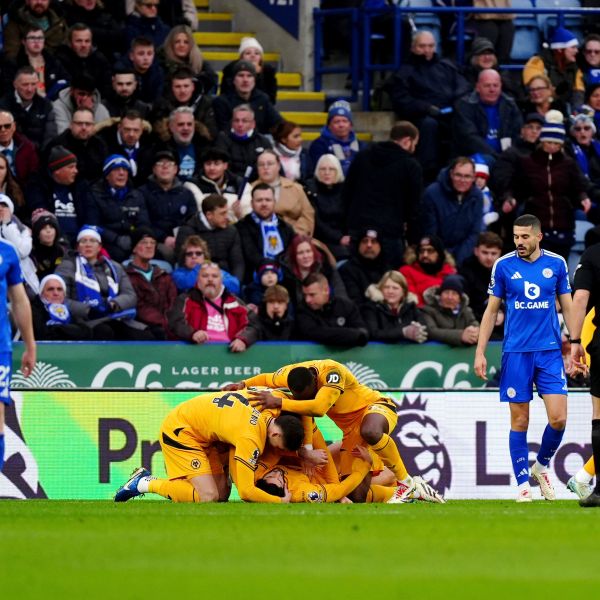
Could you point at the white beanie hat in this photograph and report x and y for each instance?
(89, 231)
(53, 277)
(4, 199)
(250, 42)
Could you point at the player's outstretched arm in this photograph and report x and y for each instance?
(486, 327)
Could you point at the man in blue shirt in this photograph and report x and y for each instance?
(11, 287)
(529, 280)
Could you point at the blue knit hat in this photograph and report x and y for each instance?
(563, 38)
(114, 161)
(340, 108)
(553, 129)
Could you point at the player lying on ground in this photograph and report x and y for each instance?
(322, 387)
(190, 437)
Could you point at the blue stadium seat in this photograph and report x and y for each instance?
(527, 41)
(573, 23)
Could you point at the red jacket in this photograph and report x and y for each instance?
(27, 161)
(155, 297)
(189, 315)
(418, 281)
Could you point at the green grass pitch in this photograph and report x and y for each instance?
(141, 549)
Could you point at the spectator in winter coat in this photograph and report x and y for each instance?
(169, 204)
(268, 274)
(448, 317)
(333, 321)
(383, 190)
(391, 313)
(296, 162)
(193, 254)
(424, 91)
(21, 154)
(154, 288)
(325, 194)
(48, 246)
(116, 208)
(210, 313)
(430, 267)
(263, 235)
(223, 239)
(62, 193)
(584, 147)
(242, 142)
(145, 22)
(365, 267)
(245, 92)
(453, 207)
(32, 112)
(486, 121)
(337, 137)
(275, 322)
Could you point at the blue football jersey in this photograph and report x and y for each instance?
(10, 274)
(529, 290)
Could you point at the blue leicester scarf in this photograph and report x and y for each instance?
(581, 157)
(88, 287)
(272, 242)
(59, 313)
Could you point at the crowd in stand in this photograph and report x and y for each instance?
(148, 202)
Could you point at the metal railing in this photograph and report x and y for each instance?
(361, 69)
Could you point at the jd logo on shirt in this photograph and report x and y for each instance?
(532, 291)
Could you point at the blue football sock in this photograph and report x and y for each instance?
(519, 454)
(1, 451)
(550, 443)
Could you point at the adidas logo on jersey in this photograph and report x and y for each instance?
(517, 275)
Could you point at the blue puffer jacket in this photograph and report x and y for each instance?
(457, 223)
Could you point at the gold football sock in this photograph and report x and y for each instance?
(177, 490)
(380, 493)
(387, 450)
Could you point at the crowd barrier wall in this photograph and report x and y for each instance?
(82, 444)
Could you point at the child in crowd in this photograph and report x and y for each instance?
(267, 275)
(482, 174)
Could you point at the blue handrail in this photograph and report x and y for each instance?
(361, 68)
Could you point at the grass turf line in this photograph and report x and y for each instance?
(464, 549)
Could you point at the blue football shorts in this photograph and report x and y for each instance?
(5, 367)
(520, 370)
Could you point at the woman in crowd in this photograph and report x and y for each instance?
(180, 50)
(295, 160)
(100, 289)
(48, 247)
(251, 50)
(10, 187)
(303, 257)
(193, 253)
(540, 98)
(324, 191)
(391, 313)
(291, 202)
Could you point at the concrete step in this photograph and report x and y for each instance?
(300, 101)
(219, 59)
(306, 119)
(215, 22)
(202, 3)
(309, 136)
(220, 40)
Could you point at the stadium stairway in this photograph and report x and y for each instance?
(219, 43)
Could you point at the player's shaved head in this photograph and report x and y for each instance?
(300, 380)
(292, 431)
(528, 221)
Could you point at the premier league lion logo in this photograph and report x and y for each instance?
(422, 450)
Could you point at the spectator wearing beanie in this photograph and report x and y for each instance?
(245, 92)
(337, 137)
(267, 275)
(116, 208)
(62, 193)
(549, 185)
(448, 317)
(251, 50)
(274, 319)
(48, 247)
(15, 233)
(428, 268)
(558, 63)
(585, 149)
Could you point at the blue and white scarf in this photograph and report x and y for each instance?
(581, 157)
(272, 242)
(88, 287)
(59, 313)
